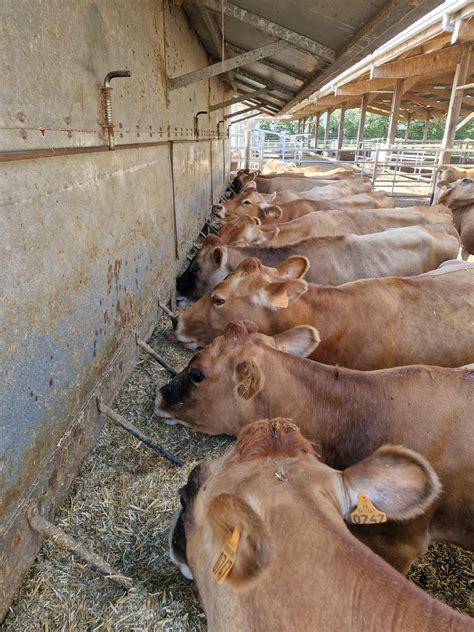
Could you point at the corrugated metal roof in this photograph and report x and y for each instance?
(345, 32)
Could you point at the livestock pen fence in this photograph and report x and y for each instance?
(405, 168)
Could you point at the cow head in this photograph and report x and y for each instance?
(226, 385)
(272, 489)
(208, 268)
(248, 203)
(247, 231)
(456, 194)
(252, 292)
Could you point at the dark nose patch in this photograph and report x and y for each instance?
(174, 322)
(186, 283)
(177, 390)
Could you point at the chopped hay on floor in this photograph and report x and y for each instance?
(120, 506)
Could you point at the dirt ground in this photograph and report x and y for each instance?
(121, 505)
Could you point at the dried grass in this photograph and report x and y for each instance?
(121, 505)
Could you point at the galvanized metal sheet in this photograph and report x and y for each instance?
(83, 243)
(191, 168)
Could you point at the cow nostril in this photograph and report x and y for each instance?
(174, 322)
(217, 207)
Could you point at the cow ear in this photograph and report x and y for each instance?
(250, 186)
(280, 295)
(271, 211)
(237, 526)
(219, 256)
(266, 235)
(399, 483)
(294, 267)
(299, 341)
(249, 379)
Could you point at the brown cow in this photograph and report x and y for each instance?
(348, 414)
(333, 260)
(459, 196)
(367, 324)
(296, 566)
(272, 213)
(249, 231)
(299, 182)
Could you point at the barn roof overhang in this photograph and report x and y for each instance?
(292, 47)
(422, 59)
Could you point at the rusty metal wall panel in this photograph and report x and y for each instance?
(83, 244)
(50, 92)
(192, 190)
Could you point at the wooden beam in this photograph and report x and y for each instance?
(365, 85)
(340, 131)
(363, 111)
(271, 28)
(437, 61)
(225, 66)
(432, 103)
(271, 64)
(460, 77)
(465, 121)
(244, 118)
(239, 99)
(394, 112)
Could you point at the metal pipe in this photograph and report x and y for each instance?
(106, 94)
(48, 530)
(138, 434)
(196, 122)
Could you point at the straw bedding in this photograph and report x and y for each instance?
(121, 505)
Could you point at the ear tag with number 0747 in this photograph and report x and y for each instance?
(226, 559)
(366, 513)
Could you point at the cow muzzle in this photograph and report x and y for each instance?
(176, 534)
(219, 210)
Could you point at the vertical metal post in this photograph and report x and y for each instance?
(455, 103)
(426, 127)
(363, 111)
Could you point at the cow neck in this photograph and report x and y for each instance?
(326, 566)
(235, 256)
(310, 309)
(329, 404)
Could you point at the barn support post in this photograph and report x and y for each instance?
(394, 112)
(407, 128)
(340, 133)
(455, 102)
(326, 128)
(316, 130)
(427, 126)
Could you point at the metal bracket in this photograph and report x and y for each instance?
(106, 94)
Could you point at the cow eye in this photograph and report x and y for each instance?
(196, 375)
(247, 202)
(466, 180)
(218, 301)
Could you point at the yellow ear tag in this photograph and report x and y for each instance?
(281, 300)
(366, 513)
(226, 559)
(283, 349)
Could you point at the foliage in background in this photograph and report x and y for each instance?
(376, 126)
